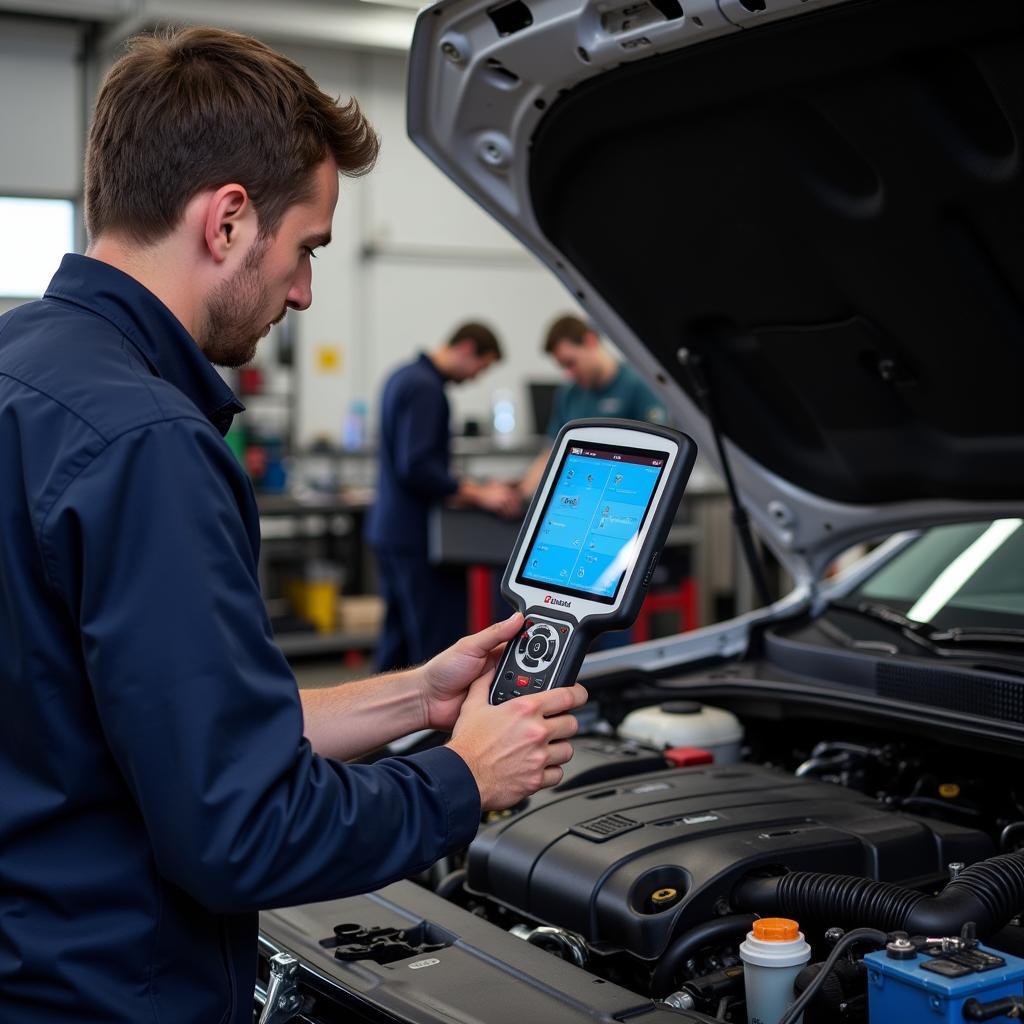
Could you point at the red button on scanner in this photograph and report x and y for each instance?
(522, 681)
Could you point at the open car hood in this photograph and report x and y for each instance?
(819, 203)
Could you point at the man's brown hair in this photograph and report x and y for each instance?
(198, 108)
(484, 341)
(566, 328)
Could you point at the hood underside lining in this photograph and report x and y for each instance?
(830, 212)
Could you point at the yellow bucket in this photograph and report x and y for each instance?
(315, 598)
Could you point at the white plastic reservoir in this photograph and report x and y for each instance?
(686, 723)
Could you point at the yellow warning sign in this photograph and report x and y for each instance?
(328, 358)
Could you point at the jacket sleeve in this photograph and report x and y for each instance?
(421, 440)
(149, 551)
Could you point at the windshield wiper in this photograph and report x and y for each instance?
(943, 643)
(980, 635)
(918, 632)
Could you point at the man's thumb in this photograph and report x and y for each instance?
(487, 639)
(479, 690)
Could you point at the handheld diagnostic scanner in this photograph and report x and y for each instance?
(588, 546)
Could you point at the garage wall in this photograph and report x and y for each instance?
(412, 257)
(41, 112)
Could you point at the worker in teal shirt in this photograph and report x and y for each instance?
(598, 385)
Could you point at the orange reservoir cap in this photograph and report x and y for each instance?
(776, 929)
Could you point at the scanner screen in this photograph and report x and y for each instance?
(586, 537)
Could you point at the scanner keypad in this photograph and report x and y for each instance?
(530, 660)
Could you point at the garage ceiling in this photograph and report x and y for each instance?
(381, 25)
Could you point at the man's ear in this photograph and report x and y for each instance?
(230, 220)
(590, 339)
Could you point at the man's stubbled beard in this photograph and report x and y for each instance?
(231, 329)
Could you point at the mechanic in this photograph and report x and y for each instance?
(163, 778)
(598, 385)
(414, 475)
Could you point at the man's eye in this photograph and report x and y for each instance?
(311, 252)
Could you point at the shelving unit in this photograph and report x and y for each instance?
(296, 531)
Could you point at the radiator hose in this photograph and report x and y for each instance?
(988, 893)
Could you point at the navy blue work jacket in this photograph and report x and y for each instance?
(414, 455)
(155, 786)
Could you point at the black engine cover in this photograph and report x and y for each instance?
(592, 858)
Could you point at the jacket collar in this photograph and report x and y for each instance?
(426, 361)
(168, 349)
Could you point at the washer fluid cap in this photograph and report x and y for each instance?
(776, 929)
(682, 707)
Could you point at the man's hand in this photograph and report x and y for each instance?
(502, 499)
(448, 675)
(516, 748)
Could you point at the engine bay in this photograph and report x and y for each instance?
(699, 811)
(628, 867)
(645, 872)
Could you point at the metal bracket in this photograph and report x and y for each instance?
(283, 1001)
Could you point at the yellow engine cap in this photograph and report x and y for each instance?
(776, 929)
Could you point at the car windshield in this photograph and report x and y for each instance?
(968, 575)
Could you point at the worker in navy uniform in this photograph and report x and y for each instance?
(425, 604)
(162, 777)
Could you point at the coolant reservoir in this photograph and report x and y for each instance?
(686, 723)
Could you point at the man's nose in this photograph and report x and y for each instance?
(300, 295)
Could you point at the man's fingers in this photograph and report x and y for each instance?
(562, 699)
(519, 746)
(482, 643)
(511, 506)
(478, 690)
(562, 727)
(559, 753)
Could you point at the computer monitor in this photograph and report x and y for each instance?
(542, 403)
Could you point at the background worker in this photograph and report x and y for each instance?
(162, 777)
(425, 604)
(598, 385)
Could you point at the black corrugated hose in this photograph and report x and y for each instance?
(988, 893)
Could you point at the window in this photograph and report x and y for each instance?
(34, 235)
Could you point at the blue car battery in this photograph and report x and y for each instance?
(933, 989)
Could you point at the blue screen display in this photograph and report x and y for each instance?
(585, 538)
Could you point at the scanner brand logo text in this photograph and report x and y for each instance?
(548, 599)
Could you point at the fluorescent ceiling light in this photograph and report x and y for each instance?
(949, 582)
(408, 5)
